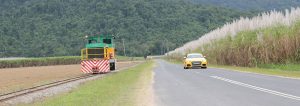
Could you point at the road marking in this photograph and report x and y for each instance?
(259, 88)
(259, 74)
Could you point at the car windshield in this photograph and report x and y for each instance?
(195, 56)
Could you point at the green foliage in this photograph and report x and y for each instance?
(46, 61)
(39, 28)
(267, 48)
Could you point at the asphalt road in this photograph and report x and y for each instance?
(174, 86)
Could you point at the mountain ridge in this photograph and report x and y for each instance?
(38, 28)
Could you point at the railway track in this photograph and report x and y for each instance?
(11, 95)
(8, 96)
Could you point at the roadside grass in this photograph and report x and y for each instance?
(277, 71)
(173, 61)
(284, 67)
(288, 70)
(126, 58)
(112, 90)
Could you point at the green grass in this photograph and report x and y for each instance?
(268, 71)
(277, 44)
(43, 61)
(126, 58)
(113, 90)
(283, 67)
(289, 70)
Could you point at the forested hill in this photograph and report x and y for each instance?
(256, 5)
(56, 27)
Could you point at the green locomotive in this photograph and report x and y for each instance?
(98, 56)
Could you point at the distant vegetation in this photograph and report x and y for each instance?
(46, 61)
(42, 28)
(270, 39)
(125, 58)
(253, 5)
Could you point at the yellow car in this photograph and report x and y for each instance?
(195, 60)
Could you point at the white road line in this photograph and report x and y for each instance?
(259, 88)
(259, 74)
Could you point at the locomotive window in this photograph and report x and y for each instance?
(92, 41)
(107, 41)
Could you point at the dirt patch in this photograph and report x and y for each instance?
(13, 79)
(144, 90)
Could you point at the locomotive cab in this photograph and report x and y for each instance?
(98, 56)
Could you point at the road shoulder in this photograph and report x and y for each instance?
(120, 88)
